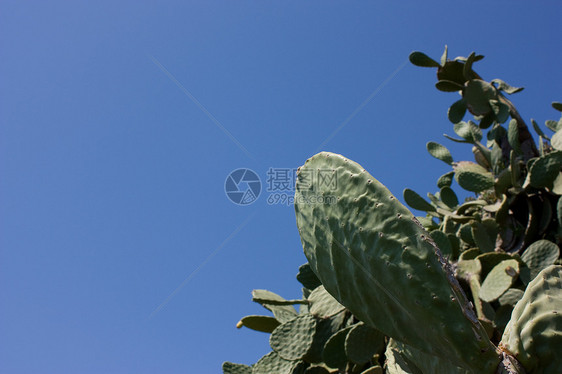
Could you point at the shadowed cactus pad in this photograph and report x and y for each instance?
(307, 277)
(334, 351)
(362, 343)
(374, 257)
(539, 255)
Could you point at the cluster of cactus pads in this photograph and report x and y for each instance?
(471, 287)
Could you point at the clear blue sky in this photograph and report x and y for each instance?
(112, 176)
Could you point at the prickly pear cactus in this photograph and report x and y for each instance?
(388, 293)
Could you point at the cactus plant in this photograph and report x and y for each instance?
(469, 286)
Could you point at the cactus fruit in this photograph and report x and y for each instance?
(371, 254)
(534, 333)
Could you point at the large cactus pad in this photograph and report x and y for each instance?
(374, 257)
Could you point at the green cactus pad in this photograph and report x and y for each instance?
(423, 60)
(322, 304)
(457, 111)
(334, 351)
(469, 131)
(374, 257)
(273, 363)
(307, 277)
(420, 362)
(513, 136)
(275, 304)
(490, 260)
(477, 94)
(362, 342)
(534, 333)
(440, 152)
(545, 169)
(473, 177)
(511, 297)
(465, 233)
(415, 201)
(325, 328)
(442, 241)
(481, 237)
(451, 71)
(482, 156)
(445, 180)
(396, 363)
(259, 323)
(232, 368)
(539, 255)
(293, 339)
(470, 254)
(499, 280)
(503, 86)
(467, 269)
(449, 197)
(448, 86)
(556, 140)
(553, 125)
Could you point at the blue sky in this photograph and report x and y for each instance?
(119, 250)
